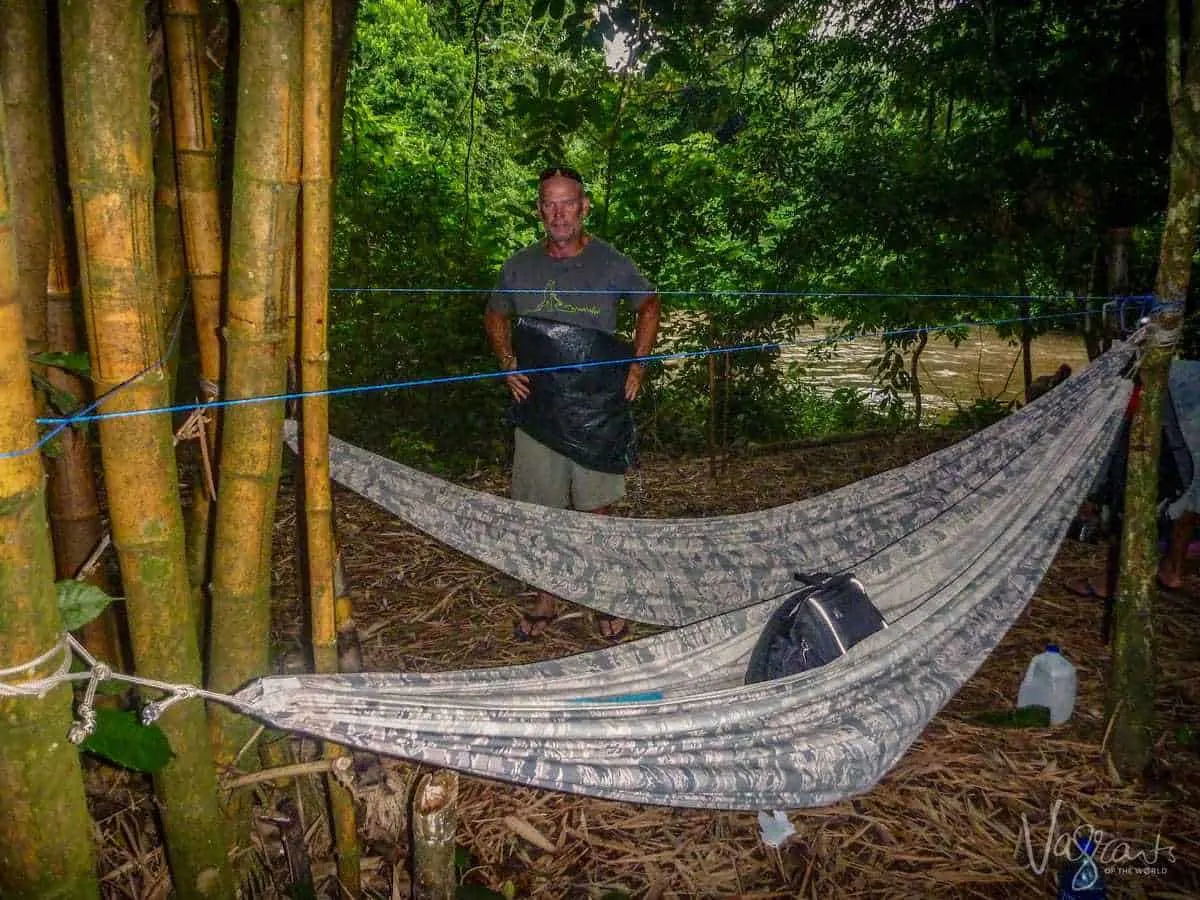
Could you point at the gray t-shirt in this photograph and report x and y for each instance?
(533, 283)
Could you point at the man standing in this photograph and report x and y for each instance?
(564, 292)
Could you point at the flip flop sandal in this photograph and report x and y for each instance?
(613, 637)
(1088, 589)
(532, 620)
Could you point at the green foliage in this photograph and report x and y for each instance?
(983, 412)
(79, 603)
(867, 154)
(121, 738)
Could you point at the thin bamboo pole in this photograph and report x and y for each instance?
(197, 164)
(109, 160)
(262, 252)
(168, 241)
(314, 377)
(199, 187)
(46, 850)
(25, 80)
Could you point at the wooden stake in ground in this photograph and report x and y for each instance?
(1133, 669)
(109, 157)
(262, 253)
(46, 848)
(314, 377)
(434, 824)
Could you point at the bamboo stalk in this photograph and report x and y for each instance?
(262, 248)
(197, 167)
(199, 189)
(168, 240)
(109, 159)
(74, 505)
(314, 372)
(25, 81)
(314, 377)
(435, 823)
(47, 849)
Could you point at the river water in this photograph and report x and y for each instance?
(984, 365)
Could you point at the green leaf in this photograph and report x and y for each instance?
(557, 8)
(80, 602)
(64, 402)
(120, 737)
(76, 362)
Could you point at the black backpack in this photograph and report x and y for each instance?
(814, 626)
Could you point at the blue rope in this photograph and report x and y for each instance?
(849, 295)
(87, 415)
(61, 424)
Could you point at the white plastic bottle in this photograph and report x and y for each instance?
(1049, 681)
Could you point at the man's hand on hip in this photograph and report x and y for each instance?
(633, 381)
(518, 385)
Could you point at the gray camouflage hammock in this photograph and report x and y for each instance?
(951, 549)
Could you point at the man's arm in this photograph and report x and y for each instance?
(644, 334)
(499, 331)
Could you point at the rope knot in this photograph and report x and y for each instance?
(150, 713)
(101, 671)
(83, 727)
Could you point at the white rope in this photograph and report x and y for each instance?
(95, 673)
(37, 687)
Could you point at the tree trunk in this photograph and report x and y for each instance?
(314, 377)
(1119, 242)
(915, 376)
(196, 162)
(75, 519)
(1131, 687)
(109, 158)
(47, 847)
(25, 82)
(1026, 347)
(345, 13)
(262, 252)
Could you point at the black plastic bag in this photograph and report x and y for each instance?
(580, 412)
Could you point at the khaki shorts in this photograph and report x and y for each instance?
(547, 478)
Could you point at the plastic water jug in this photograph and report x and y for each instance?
(1050, 682)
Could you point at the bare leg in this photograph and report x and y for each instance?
(610, 627)
(1170, 569)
